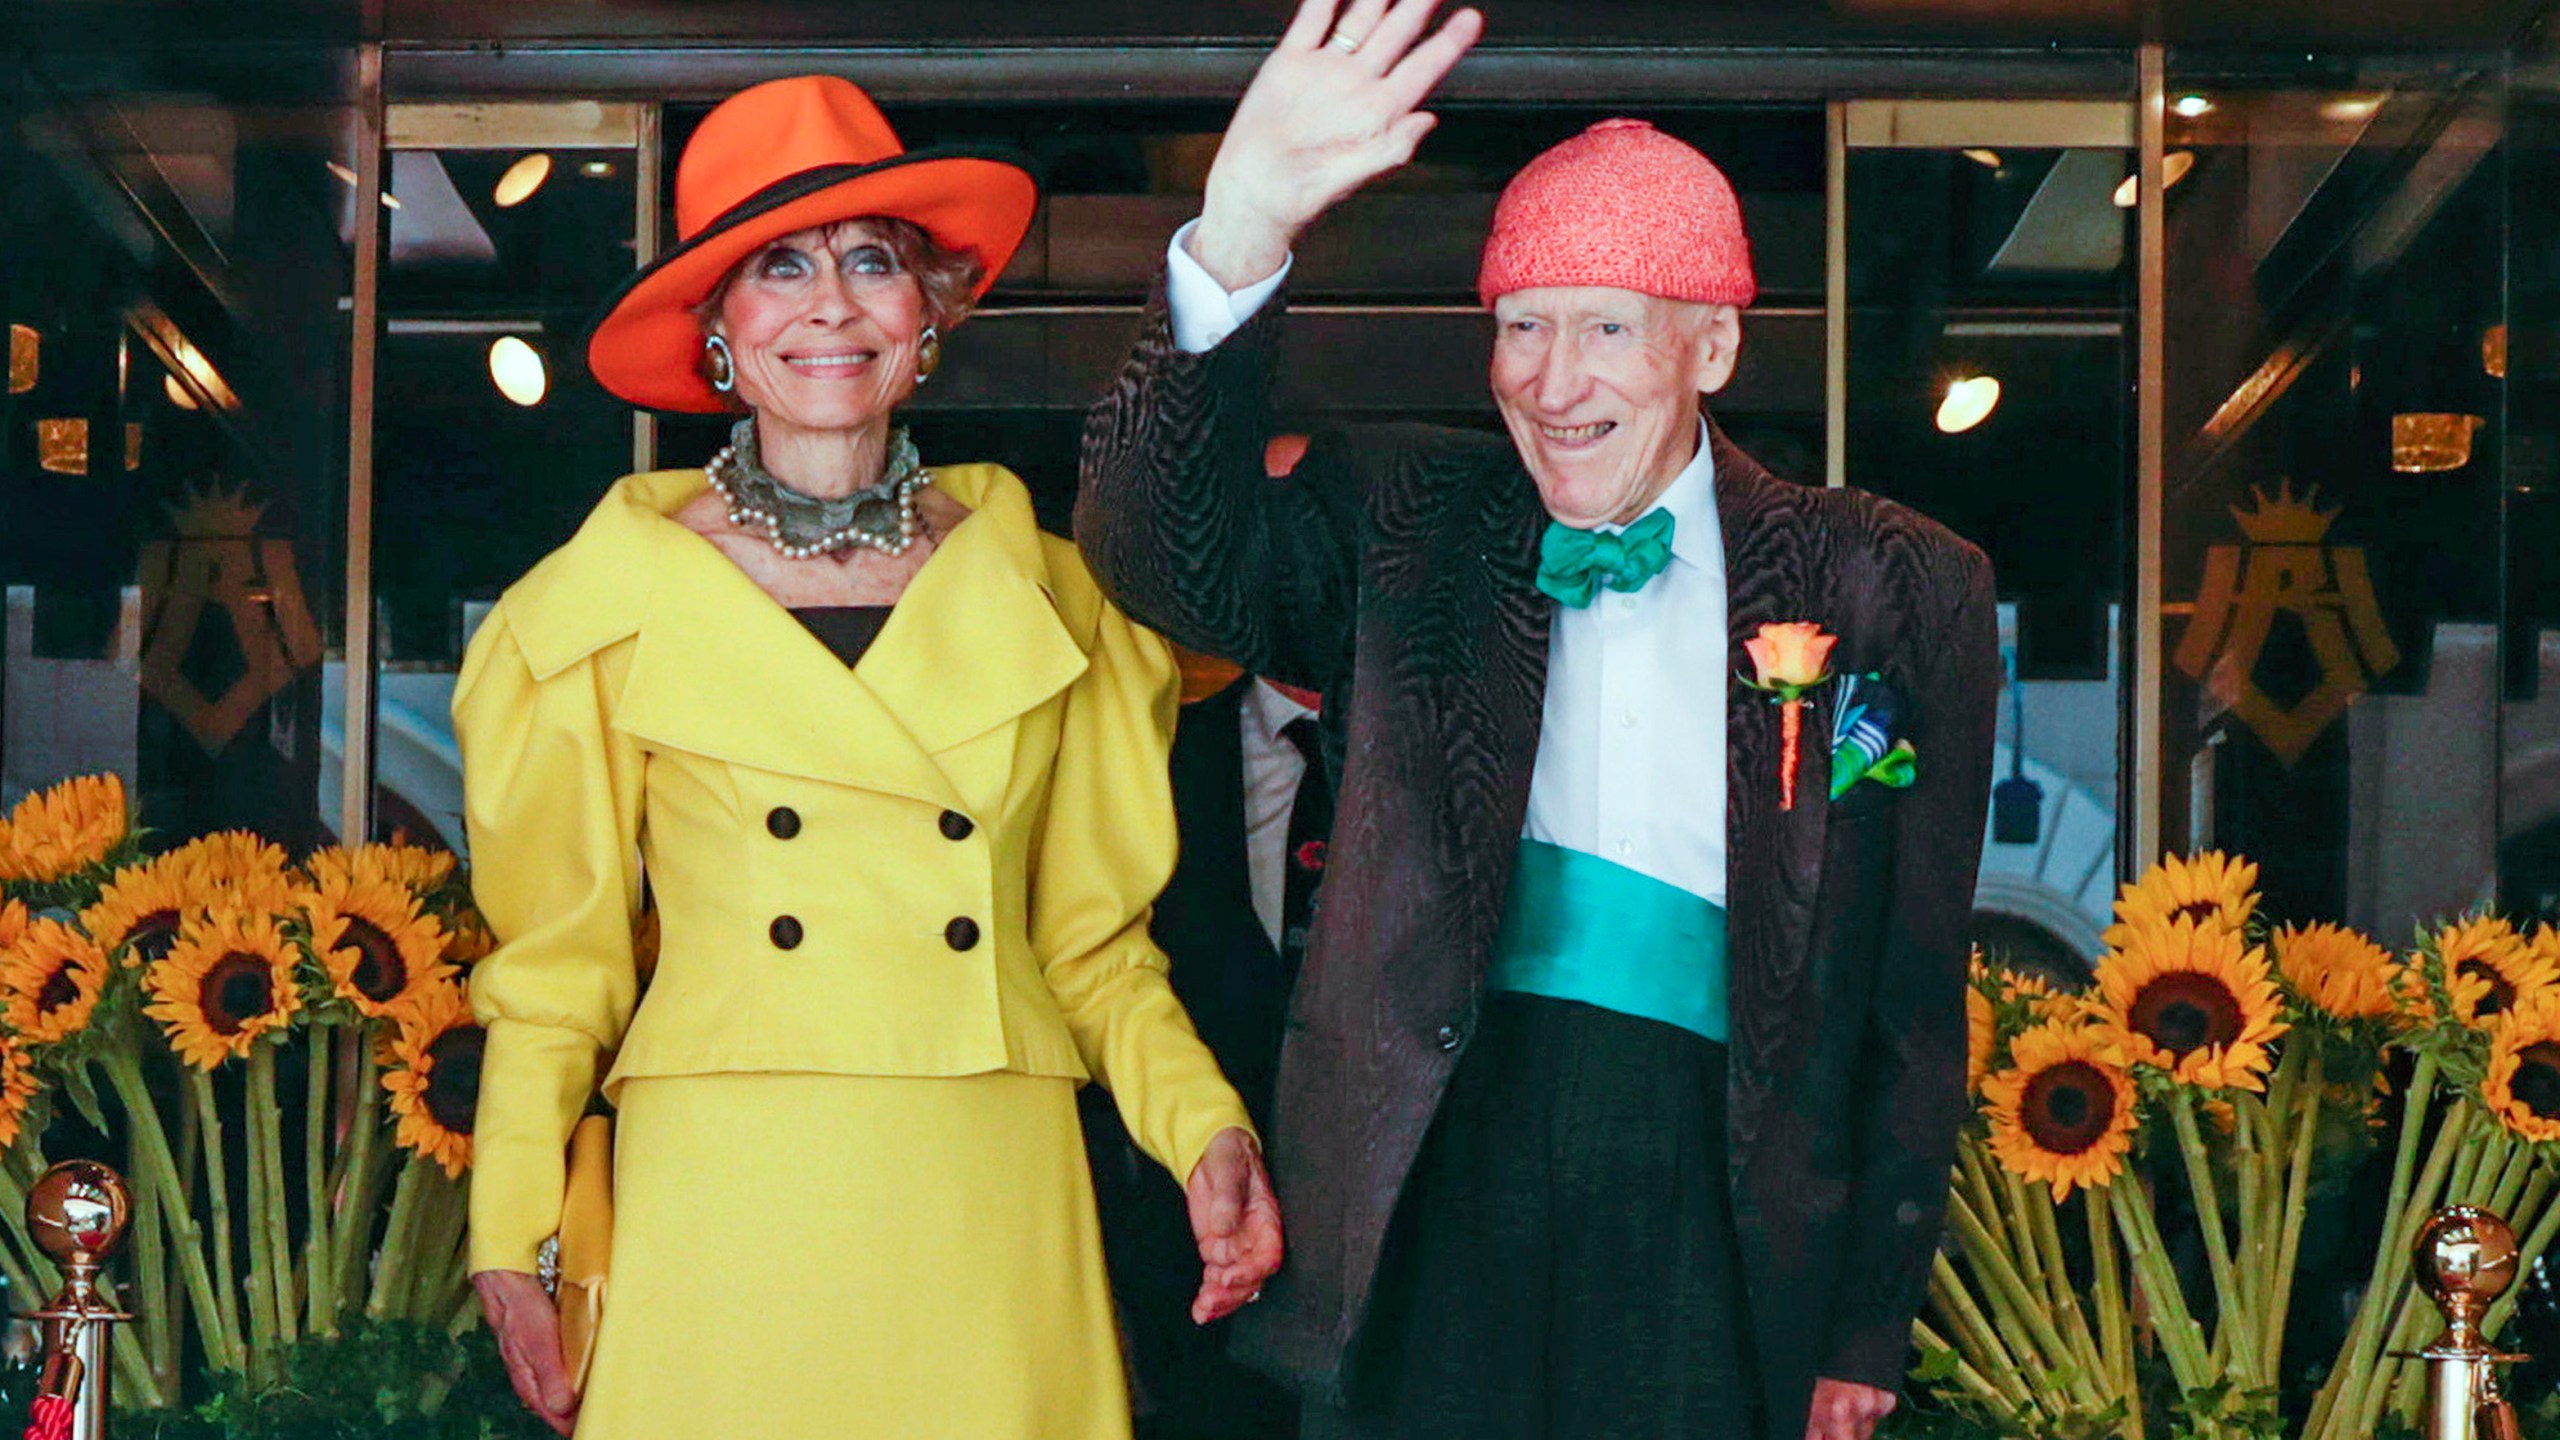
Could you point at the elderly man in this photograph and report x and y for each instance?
(1625, 1067)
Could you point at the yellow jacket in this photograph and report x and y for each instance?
(938, 862)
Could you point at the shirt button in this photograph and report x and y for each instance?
(782, 822)
(1626, 847)
(785, 932)
(956, 826)
(1448, 1037)
(961, 934)
(1627, 721)
(1626, 604)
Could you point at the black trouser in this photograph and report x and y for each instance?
(1563, 1265)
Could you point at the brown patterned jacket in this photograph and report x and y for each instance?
(1394, 571)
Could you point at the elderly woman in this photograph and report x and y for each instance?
(894, 773)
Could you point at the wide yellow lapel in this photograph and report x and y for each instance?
(976, 640)
(723, 671)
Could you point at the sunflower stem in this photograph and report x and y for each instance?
(2019, 1226)
(2521, 1161)
(157, 1322)
(1981, 1339)
(1979, 1189)
(317, 1250)
(220, 1327)
(262, 1293)
(2115, 1320)
(268, 1131)
(2065, 1300)
(1967, 1378)
(2297, 1197)
(2536, 1241)
(2339, 1408)
(2181, 1336)
(390, 1267)
(360, 1179)
(2019, 1305)
(2232, 1323)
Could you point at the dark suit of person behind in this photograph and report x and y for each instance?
(1229, 970)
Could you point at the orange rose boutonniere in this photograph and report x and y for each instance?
(1791, 659)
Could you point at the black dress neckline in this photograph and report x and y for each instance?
(846, 630)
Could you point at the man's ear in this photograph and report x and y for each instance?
(1719, 346)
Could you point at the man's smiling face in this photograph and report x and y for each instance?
(1599, 388)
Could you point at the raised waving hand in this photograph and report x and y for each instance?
(1337, 104)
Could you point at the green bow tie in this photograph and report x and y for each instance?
(1574, 564)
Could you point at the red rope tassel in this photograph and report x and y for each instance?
(49, 1418)
(1790, 731)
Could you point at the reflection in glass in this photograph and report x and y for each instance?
(62, 446)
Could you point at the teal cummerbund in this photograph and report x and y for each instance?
(1581, 928)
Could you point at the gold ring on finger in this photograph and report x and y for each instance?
(1344, 41)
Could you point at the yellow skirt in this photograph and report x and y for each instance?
(808, 1257)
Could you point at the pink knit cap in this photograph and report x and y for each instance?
(1623, 205)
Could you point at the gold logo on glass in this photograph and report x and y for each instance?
(2286, 571)
(219, 567)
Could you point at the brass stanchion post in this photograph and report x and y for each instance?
(2466, 1258)
(76, 1213)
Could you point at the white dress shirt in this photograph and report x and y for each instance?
(1631, 753)
(1272, 769)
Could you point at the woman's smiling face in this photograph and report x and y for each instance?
(825, 327)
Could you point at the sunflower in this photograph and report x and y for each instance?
(237, 869)
(139, 911)
(2211, 887)
(434, 1076)
(422, 870)
(2487, 969)
(2194, 999)
(1981, 1037)
(13, 923)
(2522, 1087)
(379, 951)
(65, 830)
(50, 982)
(227, 981)
(2062, 1113)
(468, 939)
(17, 1089)
(2338, 970)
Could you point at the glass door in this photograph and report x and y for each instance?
(1982, 288)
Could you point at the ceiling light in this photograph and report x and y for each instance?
(1987, 159)
(2192, 106)
(24, 346)
(2174, 165)
(62, 446)
(521, 180)
(178, 394)
(2423, 444)
(2350, 107)
(597, 169)
(1968, 403)
(517, 369)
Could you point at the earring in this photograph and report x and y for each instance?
(928, 353)
(718, 365)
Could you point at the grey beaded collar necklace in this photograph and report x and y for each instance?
(879, 517)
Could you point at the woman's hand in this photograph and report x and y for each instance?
(1334, 107)
(1236, 1219)
(527, 1325)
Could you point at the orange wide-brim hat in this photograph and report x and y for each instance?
(785, 156)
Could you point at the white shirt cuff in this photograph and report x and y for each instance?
(1205, 312)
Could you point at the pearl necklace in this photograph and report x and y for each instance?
(880, 517)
